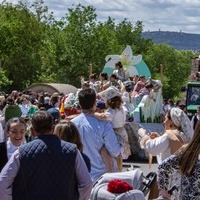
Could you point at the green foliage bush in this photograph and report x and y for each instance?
(37, 48)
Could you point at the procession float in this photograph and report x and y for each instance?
(148, 110)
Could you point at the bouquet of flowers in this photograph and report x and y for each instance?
(118, 186)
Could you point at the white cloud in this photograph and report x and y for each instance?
(167, 15)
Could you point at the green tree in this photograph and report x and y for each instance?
(19, 58)
(78, 39)
(34, 47)
(176, 64)
(27, 50)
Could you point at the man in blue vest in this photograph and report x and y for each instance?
(46, 168)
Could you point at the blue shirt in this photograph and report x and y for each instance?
(94, 135)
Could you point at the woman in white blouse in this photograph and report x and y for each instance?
(178, 131)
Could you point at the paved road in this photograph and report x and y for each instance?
(142, 164)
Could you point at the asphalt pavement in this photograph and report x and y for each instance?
(142, 164)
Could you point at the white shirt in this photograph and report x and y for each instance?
(158, 147)
(11, 148)
(2, 134)
(128, 101)
(116, 116)
(122, 74)
(24, 108)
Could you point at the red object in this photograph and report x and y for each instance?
(118, 186)
(71, 111)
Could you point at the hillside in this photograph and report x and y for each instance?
(178, 40)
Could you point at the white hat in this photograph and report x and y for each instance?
(46, 100)
(109, 93)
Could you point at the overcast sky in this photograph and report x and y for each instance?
(166, 15)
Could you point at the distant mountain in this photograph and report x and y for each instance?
(178, 40)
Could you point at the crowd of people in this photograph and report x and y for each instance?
(57, 146)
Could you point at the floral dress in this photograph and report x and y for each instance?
(118, 118)
(189, 188)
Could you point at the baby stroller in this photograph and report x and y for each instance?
(141, 185)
